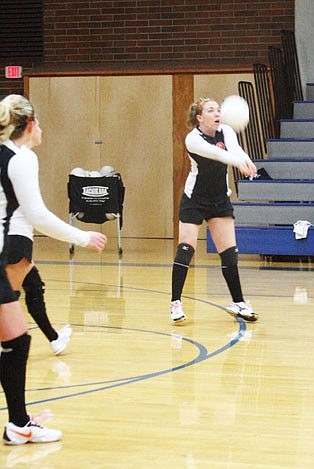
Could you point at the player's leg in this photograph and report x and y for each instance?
(35, 302)
(15, 344)
(223, 235)
(222, 231)
(24, 274)
(21, 272)
(34, 289)
(188, 234)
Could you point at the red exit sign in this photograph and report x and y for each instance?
(13, 71)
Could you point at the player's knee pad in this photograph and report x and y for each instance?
(34, 288)
(184, 254)
(18, 347)
(229, 257)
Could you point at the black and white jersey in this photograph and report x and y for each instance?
(8, 200)
(207, 181)
(20, 188)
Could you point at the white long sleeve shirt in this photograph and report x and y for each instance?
(32, 211)
(233, 154)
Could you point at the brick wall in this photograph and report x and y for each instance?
(218, 32)
(146, 30)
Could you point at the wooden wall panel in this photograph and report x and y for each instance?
(182, 98)
(132, 117)
(65, 108)
(219, 85)
(136, 126)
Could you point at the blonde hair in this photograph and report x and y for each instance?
(196, 109)
(15, 113)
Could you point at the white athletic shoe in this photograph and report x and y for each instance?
(32, 432)
(62, 341)
(242, 310)
(177, 314)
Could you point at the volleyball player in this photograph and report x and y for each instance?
(19, 132)
(211, 146)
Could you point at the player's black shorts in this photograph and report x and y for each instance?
(195, 213)
(18, 248)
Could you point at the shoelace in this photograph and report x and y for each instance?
(247, 308)
(42, 417)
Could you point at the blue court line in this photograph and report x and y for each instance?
(202, 355)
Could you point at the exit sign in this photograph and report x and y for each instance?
(13, 71)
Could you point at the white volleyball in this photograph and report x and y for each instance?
(235, 112)
(110, 216)
(94, 174)
(107, 171)
(78, 172)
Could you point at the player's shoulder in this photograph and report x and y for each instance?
(192, 135)
(24, 160)
(194, 131)
(26, 155)
(24, 150)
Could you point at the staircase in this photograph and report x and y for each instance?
(267, 209)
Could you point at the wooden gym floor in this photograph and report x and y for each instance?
(134, 391)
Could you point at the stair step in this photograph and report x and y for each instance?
(270, 240)
(303, 109)
(310, 91)
(276, 190)
(273, 206)
(281, 213)
(297, 128)
(287, 168)
(290, 148)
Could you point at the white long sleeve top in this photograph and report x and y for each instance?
(32, 211)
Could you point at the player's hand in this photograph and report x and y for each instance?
(97, 241)
(248, 168)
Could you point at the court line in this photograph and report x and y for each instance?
(202, 356)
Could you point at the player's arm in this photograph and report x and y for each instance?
(23, 172)
(195, 143)
(231, 141)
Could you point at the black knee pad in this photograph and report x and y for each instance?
(33, 287)
(184, 254)
(229, 257)
(19, 346)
